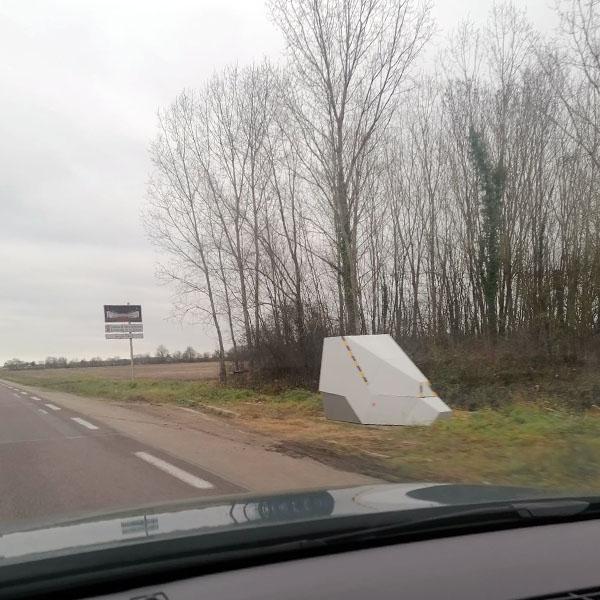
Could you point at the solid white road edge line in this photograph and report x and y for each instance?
(175, 471)
(52, 406)
(84, 423)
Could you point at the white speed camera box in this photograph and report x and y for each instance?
(369, 379)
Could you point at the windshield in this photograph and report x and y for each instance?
(287, 261)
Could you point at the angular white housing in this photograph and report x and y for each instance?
(368, 379)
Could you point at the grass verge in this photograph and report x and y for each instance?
(519, 443)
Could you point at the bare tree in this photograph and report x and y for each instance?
(162, 352)
(575, 66)
(350, 61)
(174, 214)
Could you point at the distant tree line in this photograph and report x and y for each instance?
(188, 355)
(348, 192)
(161, 356)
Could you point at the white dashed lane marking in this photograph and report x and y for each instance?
(84, 423)
(36, 398)
(52, 406)
(45, 412)
(175, 471)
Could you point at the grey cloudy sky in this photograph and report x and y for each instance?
(81, 82)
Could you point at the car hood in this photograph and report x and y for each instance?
(244, 511)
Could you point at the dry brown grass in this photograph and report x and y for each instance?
(178, 371)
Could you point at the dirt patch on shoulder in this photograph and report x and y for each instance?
(337, 459)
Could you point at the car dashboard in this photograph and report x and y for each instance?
(547, 561)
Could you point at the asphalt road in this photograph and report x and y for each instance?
(56, 464)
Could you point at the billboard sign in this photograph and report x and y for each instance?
(123, 327)
(123, 313)
(124, 336)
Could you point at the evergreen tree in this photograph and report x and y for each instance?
(491, 180)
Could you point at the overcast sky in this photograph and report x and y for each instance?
(80, 84)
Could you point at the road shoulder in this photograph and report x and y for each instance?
(210, 442)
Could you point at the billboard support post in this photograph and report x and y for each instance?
(130, 348)
(131, 355)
